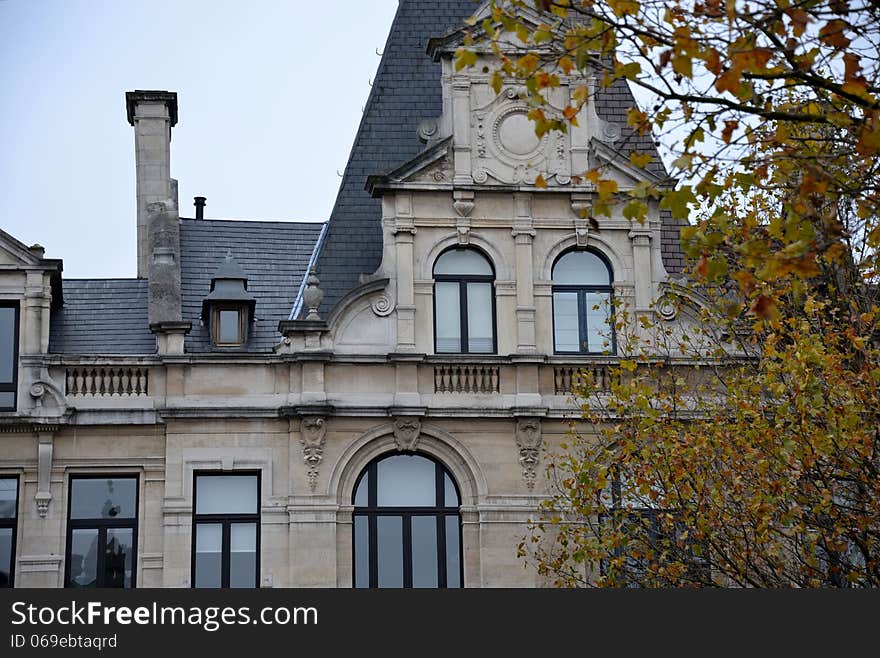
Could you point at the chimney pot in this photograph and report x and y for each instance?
(199, 203)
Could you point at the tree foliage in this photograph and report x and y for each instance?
(739, 445)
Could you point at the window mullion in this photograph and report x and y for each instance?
(462, 305)
(583, 334)
(407, 550)
(225, 555)
(99, 558)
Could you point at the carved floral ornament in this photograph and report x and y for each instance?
(529, 441)
(313, 432)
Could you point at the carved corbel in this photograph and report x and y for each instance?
(46, 386)
(406, 433)
(43, 496)
(529, 442)
(313, 432)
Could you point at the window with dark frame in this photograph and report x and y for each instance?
(407, 525)
(8, 529)
(102, 531)
(464, 303)
(582, 304)
(227, 326)
(9, 322)
(226, 530)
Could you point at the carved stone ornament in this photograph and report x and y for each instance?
(313, 295)
(667, 308)
(529, 441)
(382, 305)
(45, 448)
(463, 230)
(312, 434)
(406, 433)
(463, 207)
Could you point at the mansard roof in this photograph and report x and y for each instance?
(109, 316)
(407, 91)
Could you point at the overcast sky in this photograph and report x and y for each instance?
(270, 94)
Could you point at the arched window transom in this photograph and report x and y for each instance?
(407, 525)
(582, 304)
(464, 303)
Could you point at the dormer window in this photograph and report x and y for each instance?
(229, 308)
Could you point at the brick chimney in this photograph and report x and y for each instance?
(153, 114)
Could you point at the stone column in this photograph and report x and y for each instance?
(404, 236)
(461, 131)
(523, 234)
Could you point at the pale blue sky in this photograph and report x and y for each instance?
(270, 94)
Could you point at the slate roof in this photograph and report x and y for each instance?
(109, 316)
(102, 316)
(406, 91)
(273, 255)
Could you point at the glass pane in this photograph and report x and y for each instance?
(226, 494)
(447, 308)
(479, 316)
(449, 492)
(565, 322)
(361, 496)
(361, 551)
(103, 498)
(229, 327)
(406, 481)
(5, 557)
(117, 557)
(453, 556)
(390, 546)
(598, 321)
(83, 567)
(463, 261)
(424, 551)
(8, 495)
(7, 400)
(7, 344)
(209, 558)
(581, 268)
(243, 555)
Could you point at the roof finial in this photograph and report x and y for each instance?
(313, 295)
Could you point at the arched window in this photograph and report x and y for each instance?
(582, 304)
(464, 303)
(407, 527)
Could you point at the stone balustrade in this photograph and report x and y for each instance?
(567, 378)
(465, 378)
(97, 381)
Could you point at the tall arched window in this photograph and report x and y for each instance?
(464, 303)
(407, 526)
(582, 304)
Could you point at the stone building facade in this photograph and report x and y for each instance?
(227, 419)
